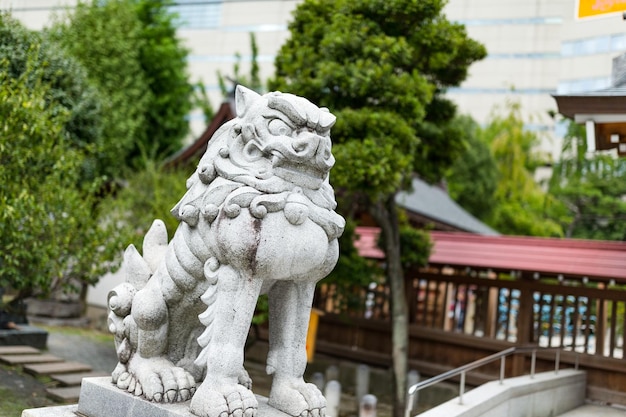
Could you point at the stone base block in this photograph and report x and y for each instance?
(25, 335)
(100, 398)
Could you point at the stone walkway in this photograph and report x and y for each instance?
(66, 375)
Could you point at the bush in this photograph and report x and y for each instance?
(49, 230)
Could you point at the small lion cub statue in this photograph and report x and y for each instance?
(257, 218)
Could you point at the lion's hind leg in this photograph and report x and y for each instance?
(149, 372)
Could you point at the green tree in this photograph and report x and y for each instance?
(149, 194)
(49, 232)
(521, 206)
(473, 178)
(105, 38)
(592, 188)
(66, 81)
(251, 80)
(133, 58)
(382, 67)
(163, 59)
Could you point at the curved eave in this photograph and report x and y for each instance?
(598, 260)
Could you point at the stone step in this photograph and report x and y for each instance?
(26, 359)
(64, 394)
(18, 350)
(56, 368)
(76, 378)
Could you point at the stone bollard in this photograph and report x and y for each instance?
(332, 373)
(317, 379)
(413, 378)
(333, 398)
(362, 382)
(367, 407)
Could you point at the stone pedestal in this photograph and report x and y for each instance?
(25, 335)
(100, 398)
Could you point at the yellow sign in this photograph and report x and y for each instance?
(590, 8)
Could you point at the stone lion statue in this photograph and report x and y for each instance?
(258, 217)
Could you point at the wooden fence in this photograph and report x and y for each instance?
(457, 316)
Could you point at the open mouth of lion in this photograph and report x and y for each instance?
(301, 174)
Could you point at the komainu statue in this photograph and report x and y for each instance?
(258, 217)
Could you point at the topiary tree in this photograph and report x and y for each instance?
(382, 66)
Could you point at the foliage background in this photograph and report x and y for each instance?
(49, 230)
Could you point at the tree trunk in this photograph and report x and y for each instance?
(385, 214)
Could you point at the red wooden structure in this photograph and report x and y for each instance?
(481, 294)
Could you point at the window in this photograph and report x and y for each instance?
(197, 14)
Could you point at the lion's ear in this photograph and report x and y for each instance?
(244, 97)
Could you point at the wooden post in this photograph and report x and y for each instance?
(600, 327)
(524, 328)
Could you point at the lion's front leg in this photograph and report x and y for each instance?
(290, 307)
(221, 393)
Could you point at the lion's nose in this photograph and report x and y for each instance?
(306, 146)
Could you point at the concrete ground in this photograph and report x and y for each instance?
(591, 410)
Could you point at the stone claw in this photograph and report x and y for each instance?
(156, 379)
(297, 398)
(214, 399)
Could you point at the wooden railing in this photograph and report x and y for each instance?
(459, 316)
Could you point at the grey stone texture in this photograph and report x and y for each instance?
(258, 217)
(100, 398)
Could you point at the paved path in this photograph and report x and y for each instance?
(99, 355)
(595, 411)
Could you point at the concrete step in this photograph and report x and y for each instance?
(590, 410)
(64, 394)
(27, 359)
(56, 368)
(76, 378)
(18, 350)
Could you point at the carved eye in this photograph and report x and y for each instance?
(279, 128)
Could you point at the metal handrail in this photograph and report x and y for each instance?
(462, 370)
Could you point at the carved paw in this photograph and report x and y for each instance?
(213, 399)
(156, 379)
(244, 379)
(297, 398)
